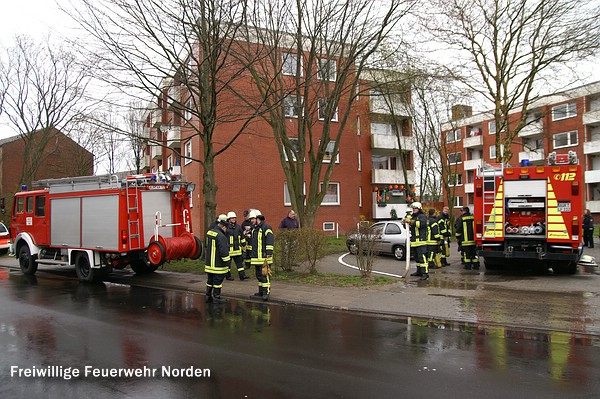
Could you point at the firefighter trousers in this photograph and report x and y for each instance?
(264, 282)
(469, 257)
(421, 257)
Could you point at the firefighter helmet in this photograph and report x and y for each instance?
(222, 219)
(257, 213)
(252, 214)
(231, 215)
(417, 205)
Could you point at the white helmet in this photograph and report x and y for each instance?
(231, 215)
(252, 214)
(222, 218)
(417, 205)
(257, 213)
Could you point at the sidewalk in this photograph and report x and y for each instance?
(564, 303)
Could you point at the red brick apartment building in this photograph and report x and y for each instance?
(62, 157)
(561, 122)
(249, 173)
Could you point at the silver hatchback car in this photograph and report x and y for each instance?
(391, 239)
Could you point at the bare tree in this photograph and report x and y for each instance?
(43, 90)
(307, 64)
(137, 136)
(512, 45)
(176, 52)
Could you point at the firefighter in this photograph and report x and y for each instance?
(217, 260)
(237, 241)
(445, 233)
(247, 225)
(262, 243)
(465, 238)
(433, 241)
(418, 239)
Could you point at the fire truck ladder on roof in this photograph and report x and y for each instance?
(489, 172)
(133, 215)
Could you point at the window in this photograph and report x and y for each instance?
(453, 136)
(40, 205)
(458, 202)
(564, 111)
(392, 228)
(289, 62)
(455, 180)
(20, 204)
(329, 153)
(187, 114)
(291, 106)
(332, 194)
(455, 157)
(295, 144)
(287, 200)
(384, 162)
(493, 152)
(328, 226)
(492, 127)
(29, 205)
(323, 110)
(566, 139)
(327, 69)
(188, 152)
(169, 162)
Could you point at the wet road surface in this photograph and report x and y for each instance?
(254, 350)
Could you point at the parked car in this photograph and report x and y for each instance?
(390, 239)
(4, 239)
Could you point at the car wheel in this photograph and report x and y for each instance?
(399, 252)
(352, 248)
(27, 261)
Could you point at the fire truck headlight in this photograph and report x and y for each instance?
(175, 187)
(190, 187)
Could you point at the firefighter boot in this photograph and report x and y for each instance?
(445, 262)
(217, 296)
(209, 291)
(424, 276)
(259, 293)
(228, 276)
(242, 274)
(418, 272)
(265, 294)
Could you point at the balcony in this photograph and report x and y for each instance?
(591, 147)
(591, 117)
(387, 176)
(592, 176)
(472, 164)
(156, 152)
(469, 188)
(390, 142)
(593, 206)
(146, 162)
(532, 130)
(378, 105)
(174, 137)
(532, 156)
(473, 141)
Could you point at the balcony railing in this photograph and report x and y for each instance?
(387, 176)
(532, 156)
(390, 142)
(591, 117)
(531, 130)
(473, 141)
(156, 152)
(174, 137)
(472, 164)
(591, 147)
(592, 176)
(378, 105)
(145, 161)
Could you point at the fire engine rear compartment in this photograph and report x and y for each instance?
(93, 221)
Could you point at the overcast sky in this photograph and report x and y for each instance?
(36, 18)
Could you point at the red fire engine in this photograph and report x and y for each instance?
(530, 213)
(100, 223)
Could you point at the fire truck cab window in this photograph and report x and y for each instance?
(29, 205)
(20, 203)
(40, 205)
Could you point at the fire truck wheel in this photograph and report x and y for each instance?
(156, 254)
(141, 267)
(199, 249)
(84, 270)
(26, 260)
